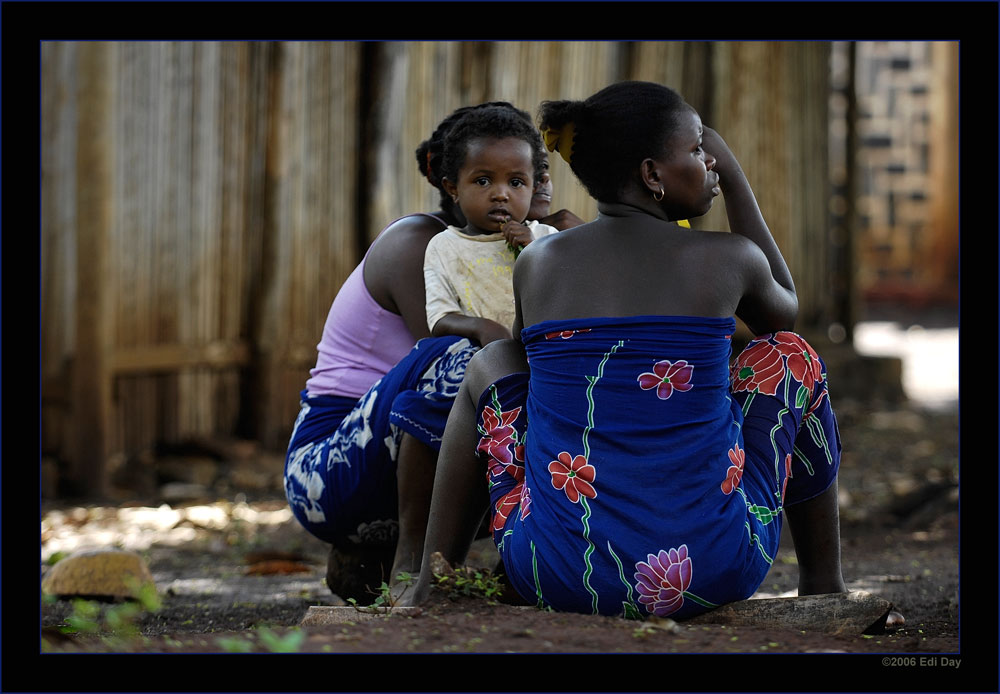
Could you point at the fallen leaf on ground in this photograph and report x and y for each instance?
(277, 566)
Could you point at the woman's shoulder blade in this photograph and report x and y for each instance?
(418, 223)
(407, 233)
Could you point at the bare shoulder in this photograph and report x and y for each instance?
(543, 248)
(394, 269)
(728, 248)
(405, 237)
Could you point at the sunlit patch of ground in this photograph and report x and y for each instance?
(929, 355)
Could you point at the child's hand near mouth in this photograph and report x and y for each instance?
(517, 235)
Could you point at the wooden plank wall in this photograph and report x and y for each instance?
(311, 242)
(236, 205)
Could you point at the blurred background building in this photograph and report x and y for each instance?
(202, 202)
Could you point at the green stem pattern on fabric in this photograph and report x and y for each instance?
(815, 429)
(755, 540)
(586, 555)
(694, 598)
(592, 380)
(534, 572)
(774, 444)
(629, 610)
(762, 513)
(590, 397)
(503, 540)
(805, 461)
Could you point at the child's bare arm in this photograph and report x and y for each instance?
(482, 330)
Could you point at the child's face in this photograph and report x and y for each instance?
(494, 184)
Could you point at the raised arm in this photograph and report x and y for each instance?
(770, 302)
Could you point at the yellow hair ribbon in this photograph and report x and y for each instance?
(560, 140)
(684, 223)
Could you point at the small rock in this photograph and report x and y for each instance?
(98, 573)
(440, 565)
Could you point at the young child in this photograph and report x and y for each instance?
(492, 159)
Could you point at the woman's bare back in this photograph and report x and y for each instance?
(629, 266)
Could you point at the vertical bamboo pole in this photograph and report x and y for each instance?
(941, 252)
(91, 387)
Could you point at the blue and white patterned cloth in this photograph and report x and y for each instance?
(340, 468)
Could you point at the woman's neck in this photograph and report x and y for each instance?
(624, 208)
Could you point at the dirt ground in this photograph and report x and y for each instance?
(220, 568)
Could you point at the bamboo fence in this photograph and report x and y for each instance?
(202, 202)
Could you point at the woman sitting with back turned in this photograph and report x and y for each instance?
(632, 470)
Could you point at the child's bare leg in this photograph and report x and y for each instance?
(460, 495)
(815, 529)
(415, 479)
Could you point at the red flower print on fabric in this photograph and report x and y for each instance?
(762, 365)
(803, 361)
(667, 377)
(498, 434)
(662, 579)
(734, 474)
(574, 476)
(788, 474)
(510, 501)
(758, 368)
(565, 334)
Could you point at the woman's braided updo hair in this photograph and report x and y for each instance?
(430, 153)
(614, 130)
(495, 121)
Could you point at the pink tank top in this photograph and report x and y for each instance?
(361, 340)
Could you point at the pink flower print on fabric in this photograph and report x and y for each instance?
(662, 579)
(734, 474)
(574, 476)
(498, 435)
(525, 502)
(667, 377)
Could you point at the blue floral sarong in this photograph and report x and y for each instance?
(340, 468)
(635, 472)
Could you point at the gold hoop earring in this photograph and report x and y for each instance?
(660, 197)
